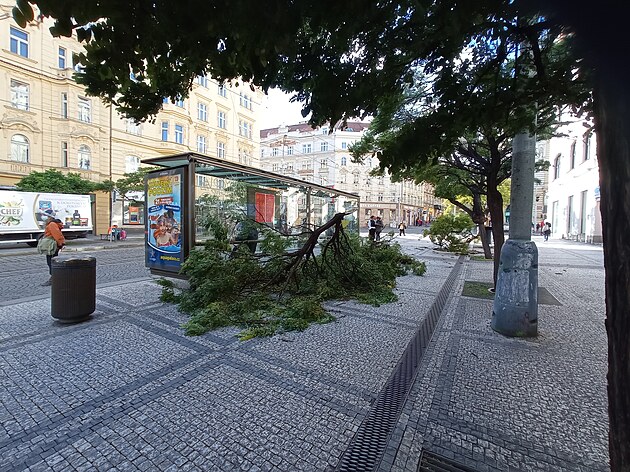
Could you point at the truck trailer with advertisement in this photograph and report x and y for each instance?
(22, 218)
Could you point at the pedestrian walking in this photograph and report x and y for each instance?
(547, 230)
(401, 228)
(379, 228)
(372, 228)
(52, 240)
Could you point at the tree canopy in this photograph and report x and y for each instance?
(53, 181)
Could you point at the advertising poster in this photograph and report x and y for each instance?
(265, 207)
(22, 212)
(164, 192)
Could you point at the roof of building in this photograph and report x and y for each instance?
(304, 127)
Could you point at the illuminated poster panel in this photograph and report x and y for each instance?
(164, 197)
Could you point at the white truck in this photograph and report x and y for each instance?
(22, 219)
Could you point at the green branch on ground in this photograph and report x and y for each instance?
(267, 293)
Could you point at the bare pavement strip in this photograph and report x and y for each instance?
(128, 391)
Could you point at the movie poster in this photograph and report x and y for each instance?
(164, 192)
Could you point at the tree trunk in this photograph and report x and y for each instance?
(479, 218)
(495, 205)
(484, 241)
(612, 124)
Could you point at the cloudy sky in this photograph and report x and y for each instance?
(277, 110)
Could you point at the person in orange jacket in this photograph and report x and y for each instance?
(53, 230)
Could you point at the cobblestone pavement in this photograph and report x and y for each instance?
(493, 403)
(22, 272)
(128, 391)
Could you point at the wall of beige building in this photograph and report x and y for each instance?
(48, 122)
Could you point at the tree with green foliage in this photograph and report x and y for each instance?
(341, 59)
(472, 153)
(452, 232)
(53, 181)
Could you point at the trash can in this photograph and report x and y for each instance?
(73, 294)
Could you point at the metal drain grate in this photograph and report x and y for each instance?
(369, 443)
(430, 462)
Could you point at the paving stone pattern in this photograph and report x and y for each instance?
(128, 391)
(21, 275)
(493, 403)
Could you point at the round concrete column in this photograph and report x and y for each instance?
(515, 309)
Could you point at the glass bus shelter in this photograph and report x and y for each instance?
(189, 188)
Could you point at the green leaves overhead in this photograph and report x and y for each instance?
(54, 181)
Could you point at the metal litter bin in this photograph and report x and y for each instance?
(73, 294)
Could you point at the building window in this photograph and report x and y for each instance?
(572, 156)
(64, 105)
(245, 129)
(165, 131)
(19, 95)
(85, 157)
(246, 101)
(202, 111)
(289, 150)
(61, 58)
(64, 154)
(19, 148)
(201, 144)
(19, 42)
(132, 126)
(222, 90)
(324, 130)
(221, 150)
(323, 147)
(356, 178)
(307, 148)
(556, 167)
(344, 145)
(587, 146)
(274, 167)
(275, 151)
(380, 197)
(132, 164)
(221, 120)
(344, 161)
(179, 102)
(202, 80)
(202, 181)
(85, 110)
(369, 162)
(179, 134)
(323, 163)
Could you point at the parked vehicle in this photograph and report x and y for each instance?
(22, 219)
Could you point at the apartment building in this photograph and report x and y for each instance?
(322, 156)
(573, 194)
(48, 122)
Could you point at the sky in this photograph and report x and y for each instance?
(276, 110)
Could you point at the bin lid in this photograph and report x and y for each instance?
(74, 260)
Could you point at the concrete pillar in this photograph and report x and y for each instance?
(522, 197)
(515, 309)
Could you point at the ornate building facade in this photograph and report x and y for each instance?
(48, 122)
(322, 156)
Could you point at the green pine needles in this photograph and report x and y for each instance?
(278, 289)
